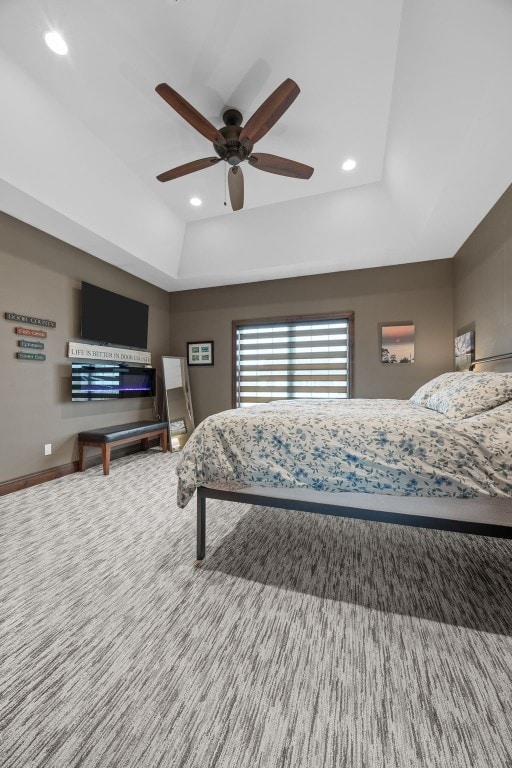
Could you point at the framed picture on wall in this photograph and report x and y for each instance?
(464, 350)
(200, 352)
(177, 427)
(397, 342)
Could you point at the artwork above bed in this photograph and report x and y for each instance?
(397, 342)
(464, 349)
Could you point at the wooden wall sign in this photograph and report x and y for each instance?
(29, 356)
(31, 344)
(119, 354)
(30, 320)
(31, 332)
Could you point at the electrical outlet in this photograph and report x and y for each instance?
(48, 449)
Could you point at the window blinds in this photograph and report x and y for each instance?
(281, 360)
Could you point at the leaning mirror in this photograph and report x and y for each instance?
(177, 401)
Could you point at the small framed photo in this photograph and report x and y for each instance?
(397, 342)
(177, 427)
(200, 352)
(464, 350)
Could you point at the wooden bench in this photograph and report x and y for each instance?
(107, 437)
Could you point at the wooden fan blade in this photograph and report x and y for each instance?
(270, 111)
(236, 188)
(182, 170)
(189, 113)
(281, 165)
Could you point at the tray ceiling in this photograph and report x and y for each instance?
(415, 91)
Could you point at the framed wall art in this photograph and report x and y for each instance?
(200, 352)
(464, 350)
(397, 342)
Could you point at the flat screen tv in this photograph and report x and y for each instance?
(109, 381)
(110, 318)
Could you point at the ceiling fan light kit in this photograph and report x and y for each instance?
(234, 143)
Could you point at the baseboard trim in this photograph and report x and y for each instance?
(36, 478)
(27, 481)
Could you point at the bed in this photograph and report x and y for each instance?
(442, 459)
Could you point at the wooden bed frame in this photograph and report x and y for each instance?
(339, 510)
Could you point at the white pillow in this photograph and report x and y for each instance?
(471, 393)
(422, 394)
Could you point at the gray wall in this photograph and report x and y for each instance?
(483, 281)
(41, 276)
(420, 292)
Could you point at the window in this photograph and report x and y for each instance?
(292, 357)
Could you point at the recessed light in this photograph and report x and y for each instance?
(349, 165)
(56, 43)
(195, 201)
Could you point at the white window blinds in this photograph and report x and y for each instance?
(294, 359)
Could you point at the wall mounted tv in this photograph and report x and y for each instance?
(113, 319)
(110, 381)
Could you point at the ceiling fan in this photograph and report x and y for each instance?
(234, 142)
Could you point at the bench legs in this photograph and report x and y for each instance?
(106, 447)
(105, 458)
(163, 442)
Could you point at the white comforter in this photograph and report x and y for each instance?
(372, 446)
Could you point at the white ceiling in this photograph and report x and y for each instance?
(418, 92)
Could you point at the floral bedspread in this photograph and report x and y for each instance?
(371, 446)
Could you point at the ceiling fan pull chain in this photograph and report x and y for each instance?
(226, 186)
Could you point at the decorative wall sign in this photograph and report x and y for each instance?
(200, 352)
(464, 350)
(31, 332)
(29, 356)
(397, 342)
(31, 344)
(96, 352)
(30, 320)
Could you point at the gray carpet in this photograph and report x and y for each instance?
(303, 642)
